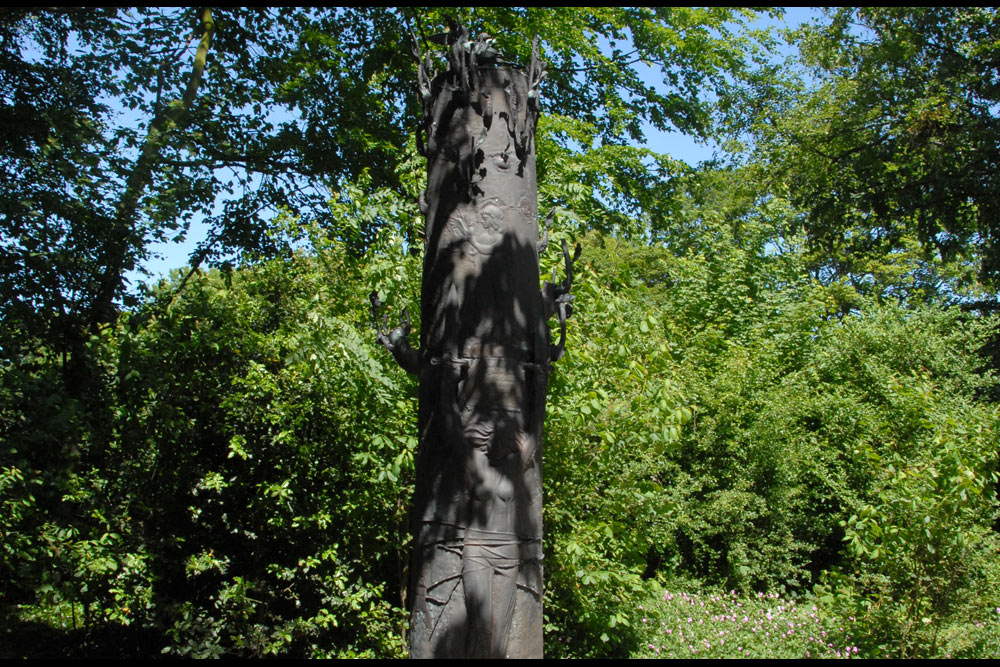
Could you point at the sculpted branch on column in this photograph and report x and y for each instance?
(483, 362)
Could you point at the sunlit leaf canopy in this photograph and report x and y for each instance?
(293, 103)
(897, 138)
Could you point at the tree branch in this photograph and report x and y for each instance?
(124, 225)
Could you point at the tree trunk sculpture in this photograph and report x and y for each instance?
(483, 362)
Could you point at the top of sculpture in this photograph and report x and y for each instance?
(483, 47)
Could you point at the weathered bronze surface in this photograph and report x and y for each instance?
(476, 576)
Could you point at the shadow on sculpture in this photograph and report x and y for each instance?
(483, 362)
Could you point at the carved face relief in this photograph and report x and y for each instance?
(478, 231)
(489, 228)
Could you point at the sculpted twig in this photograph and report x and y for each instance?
(559, 301)
(395, 340)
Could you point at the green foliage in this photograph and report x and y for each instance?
(284, 474)
(897, 139)
(613, 412)
(924, 557)
(745, 411)
(252, 497)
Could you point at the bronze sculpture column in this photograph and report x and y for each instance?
(483, 362)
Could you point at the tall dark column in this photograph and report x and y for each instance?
(476, 580)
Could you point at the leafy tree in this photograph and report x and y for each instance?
(892, 146)
(252, 499)
(746, 419)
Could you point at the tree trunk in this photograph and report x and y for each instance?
(476, 575)
(123, 227)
